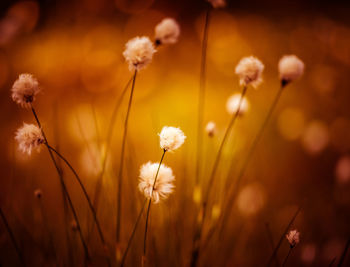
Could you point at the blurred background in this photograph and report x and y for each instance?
(74, 48)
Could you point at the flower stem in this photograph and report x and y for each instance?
(274, 253)
(12, 237)
(149, 206)
(269, 236)
(133, 234)
(234, 188)
(343, 255)
(65, 190)
(108, 143)
(121, 163)
(201, 97)
(85, 194)
(285, 260)
(197, 237)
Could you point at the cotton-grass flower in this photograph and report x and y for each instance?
(249, 71)
(290, 68)
(233, 102)
(138, 52)
(167, 31)
(217, 3)
(24, 90)
(210, 128)
(38, 193)
(29, 137)
(171, 138)
(164, 183)
(293, 238)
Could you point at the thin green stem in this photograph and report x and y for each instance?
(86, 251)
(201, 98)
(12, 237)
(197, 237)
(285, 260)
(149, 205)
(121, 163)
(133, 233)
(85, 194)
(274, 253)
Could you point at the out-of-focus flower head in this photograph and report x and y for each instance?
(293, 238)
(233, 102)
(290, 68)
(167, 31)
(210, 128)
(139, 52)
(249, 71)
(217, 3)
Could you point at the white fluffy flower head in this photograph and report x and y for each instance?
(217, 3)
(171, 138)
(293, 238)
(290, 68)
(210, 128)
(24, 90)
(249, 71)
(164, 183)
(29, 137)
(138, 52)
(167, 31)
(232, 104)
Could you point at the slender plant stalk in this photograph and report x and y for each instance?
(285, 260)
(64, 198)
(12, 237)
(274, 253)
(47, 228)
(269, 236)
(343, 255)
(86, 251)
(201, 97)
(121, 163)
(234, 189)
(332, 262)
(133, 233)
(198, 234)
(85, 194)
(108, 143)
(149, 207)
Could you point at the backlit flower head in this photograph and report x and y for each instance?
(171, 138)
(138, 52)
(293, 238)
(24, 90)
(210, 128)
(167, 31)
(233, 103)
(290, 68)
(164, 183)
(217, 3)
(29, 137)
(249, 71)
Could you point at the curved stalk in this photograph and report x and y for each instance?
(121, 163)
(201, 97)
(133, 234)
(85, 194)
(65, 190)
(197, 237)
(149, 207)
(12, 237)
